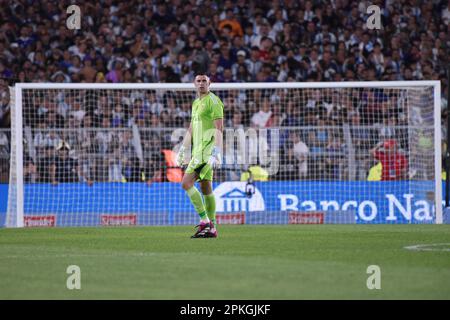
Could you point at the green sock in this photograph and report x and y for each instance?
(196, 199)
(210, 205)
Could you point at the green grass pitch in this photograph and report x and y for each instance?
(245, 262)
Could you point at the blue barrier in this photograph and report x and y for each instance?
(273, 201)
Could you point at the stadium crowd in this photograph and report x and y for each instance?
(232, 41)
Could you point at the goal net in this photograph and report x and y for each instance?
(103, 154)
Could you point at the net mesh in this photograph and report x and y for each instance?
(298, 155)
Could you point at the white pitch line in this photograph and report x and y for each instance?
(425, 247)
(70, 255)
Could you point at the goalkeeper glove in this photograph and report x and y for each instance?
(216, 158)
(180, 156)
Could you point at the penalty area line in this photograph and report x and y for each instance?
(429, 247)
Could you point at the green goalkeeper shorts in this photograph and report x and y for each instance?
(204, 170)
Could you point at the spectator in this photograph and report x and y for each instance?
(4, 146)
(321, 133)
(4, 105)
(87, 136)
(236, 121)
(64, 168)
(254, 64)
(301, 153)
(214, 74)
(274, 120)
(131, 170)
(265, 46)
(30, 173)
(360, 135)
(153, 168)
(446, 14)
(336, 152)
(75, 66)
(264, 32)
(5, 73)
(394, 163)
(137, 113)
(151, 103)
(76, 111)
(115, 167)
(261, 118)
(241, 55)
(256, 150)
(387, 129)
(225, 59)
(44, 164)
(116, 74)
(325, 36)
(40, 138)
(104, 138)
(45, 138)
(328, 66)
(233, 23)
(88, 71)
(242, 74)
(118, 116)
(227, 75)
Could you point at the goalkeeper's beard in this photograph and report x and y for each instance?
(202, 91)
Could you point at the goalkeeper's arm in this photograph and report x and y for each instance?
(216, 157)
(218, 135)
(187, 138)
(184, 146)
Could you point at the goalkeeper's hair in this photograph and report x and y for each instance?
(202, 74)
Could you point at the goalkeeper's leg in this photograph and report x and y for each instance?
(206, 176)
(194, 195)
(210, 205)
(196, 199)
(210, 201)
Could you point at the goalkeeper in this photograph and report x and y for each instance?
(205, 131)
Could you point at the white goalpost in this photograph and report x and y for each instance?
(90, 154)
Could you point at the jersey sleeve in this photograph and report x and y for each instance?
(216, 108)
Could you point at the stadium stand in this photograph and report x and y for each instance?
(233, 41)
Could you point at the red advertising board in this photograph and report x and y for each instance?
(118, 220)
(231, 218)
(39, 221)
(306, 217)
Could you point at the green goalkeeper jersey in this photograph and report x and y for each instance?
(204, 111)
